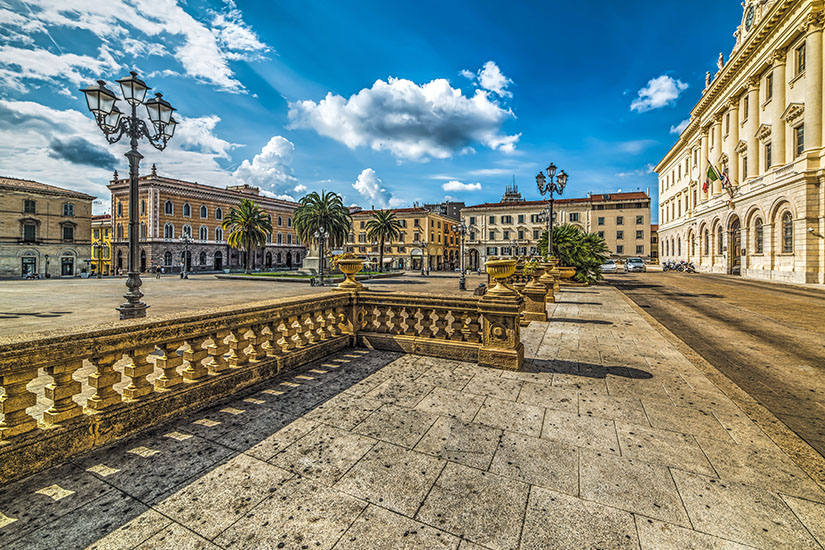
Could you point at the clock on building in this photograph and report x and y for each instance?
(749, 19)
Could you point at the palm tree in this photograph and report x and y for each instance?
(575, 248)
(249, 227)
(325, 211)
(383, 226)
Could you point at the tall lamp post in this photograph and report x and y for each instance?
(186, 240)
(115, 124)
(552, 184)
(461, 229)
(321, 236)
(424, 252)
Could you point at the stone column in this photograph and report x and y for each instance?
(733, 141)
(778, 104)
(716, 187)
(750, 128)
(703, 164)
(813, 82)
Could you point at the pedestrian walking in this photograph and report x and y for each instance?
(157, 272)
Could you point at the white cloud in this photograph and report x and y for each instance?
(490, 78)
(271, 168)
(679, 128)
(644, 171)
(140, 27)
(300, 188)
(370, 186)
(411, 121)
(458, 186)
(200, 133)
(659, 92)
(490, 172)
(20, 64)
(633, 146)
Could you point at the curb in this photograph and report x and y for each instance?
(791, 444)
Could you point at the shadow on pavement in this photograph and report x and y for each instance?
(587, 370)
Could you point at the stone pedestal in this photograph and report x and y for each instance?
(550, 279)
(501, 339)
(535, 306)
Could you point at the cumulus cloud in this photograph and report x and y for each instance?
(300, 189)
(659, 92)
(679, 128)
(271, 168)
(490, 78)
(411, 121)
(79, 150)
(140, 28)
(459, 186)
(370, 186)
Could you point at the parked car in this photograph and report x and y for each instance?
(635, 265)
(609, 267)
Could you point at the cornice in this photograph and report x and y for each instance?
(763, 132)
(741, 147)
(794, 111)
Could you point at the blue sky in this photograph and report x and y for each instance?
(384, 102)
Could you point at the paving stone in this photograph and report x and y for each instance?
(657, 535)
(482, 507)
(740, 513)
(281, 439)
(380, 528)
(630, 485)
(176, 537)
(398, 425)
(537, 461)
(467, 443)
(404, 393)
(344, 411)
(493, 386)
(625, 409)
(811, 514)
(685, 420)
(579, 383)
(580, 431)
(662, 447)
(443, 376)
(562, 522)
(324, 454)
(300, 514)
(217, 499)
(765, 467)
(392, 477)
(508, 415)
(463, 406)
(544, 395)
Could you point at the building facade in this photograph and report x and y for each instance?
(515, 225)
(171, 209)
(451, 209)
(101, 245)
(428, 240)
(759, 121)
(44, 230)
(654, 243)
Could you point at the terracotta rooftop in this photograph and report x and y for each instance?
(599, 197)
(102, 217)
(654, 227)
(38, 187)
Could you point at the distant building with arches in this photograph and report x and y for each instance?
(760, 121)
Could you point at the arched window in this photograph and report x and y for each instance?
(219, 213)
(202, 258)
(758, 236)
(719, 240)
(204, 213)
(280, 238)
(142, 230)
(692, 245)
(203, 233)
(278, 260)
(187, 210)
(168, 209)
(167, 258)
(289, 222)
(119, 231)
(667, 248)
(280, 221)
(289, 238)
(679, 246)
(186, 230)
(707, 242)
(142, 207)
(168, 231)
(119, 208)
(218, 234)
(787, 233)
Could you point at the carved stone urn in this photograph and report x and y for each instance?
(500, 270)
(349, 264)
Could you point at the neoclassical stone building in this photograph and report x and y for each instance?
(171, 208)
(759, 120)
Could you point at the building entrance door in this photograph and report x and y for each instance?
(218, 261)
(735, 248)
(29, 266)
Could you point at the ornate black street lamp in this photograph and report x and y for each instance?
(461, 229)
(321, 236)
(115, 125)
(549, 186)
(186, 240)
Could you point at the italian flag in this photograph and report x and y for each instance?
(712, 176)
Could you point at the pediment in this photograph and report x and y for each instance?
(763, 132)
(741, 147)
(793, 112)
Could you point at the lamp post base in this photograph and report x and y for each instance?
(133, 308)
(462, 284)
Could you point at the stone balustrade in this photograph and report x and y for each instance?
(105, 383)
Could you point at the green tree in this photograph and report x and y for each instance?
(325, 211)
(249, 228)
(574, 248)
(383, 226)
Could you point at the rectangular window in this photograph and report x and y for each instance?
(768, 158)
(492, 235)
(521, 218)
(68, 209)
(574, 216)
(491, 250)
(695, 157)
(744, 167)
(640, 220)
(619, 249)
(416, 223)
(640, 234)
(362, 225)
(362, 237)
(619, 235)
(799, 139)
(68, 233)
(29, 233)
(640, 249)
(745, 103)
(600, 220)
(727, 123)
(506, 235)
(800, 59)
(28, 206)
(619, 220)
(96, 234)
(416, 237)
(492, 220)
(769, 86)
(535, 233)
(472, 220)
(601, 234)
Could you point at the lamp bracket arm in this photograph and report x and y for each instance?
(117, 133)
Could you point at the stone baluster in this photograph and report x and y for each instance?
(137, 370)
(410, 320)
(14, 403)
(275, 341)
(292, 336)
(193, 357)
(308, 324)
(440, 324)
(103, 380)
(382, 319)
(426, 322)
(534, 292)
(217, 362)
(302, 340)
(332, 323)
(169, 363)
(258, 340)
(458, 326)
(322, 323)
(61, 391)
(237, 347)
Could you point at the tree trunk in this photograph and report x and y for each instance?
(381, 255)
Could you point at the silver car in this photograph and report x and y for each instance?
(609, 267)
(635, 265)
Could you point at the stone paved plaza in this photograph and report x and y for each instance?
(610, 438)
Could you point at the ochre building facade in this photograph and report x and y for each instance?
(760, 121)
(171, 209)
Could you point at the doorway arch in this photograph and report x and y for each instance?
(734, 246)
